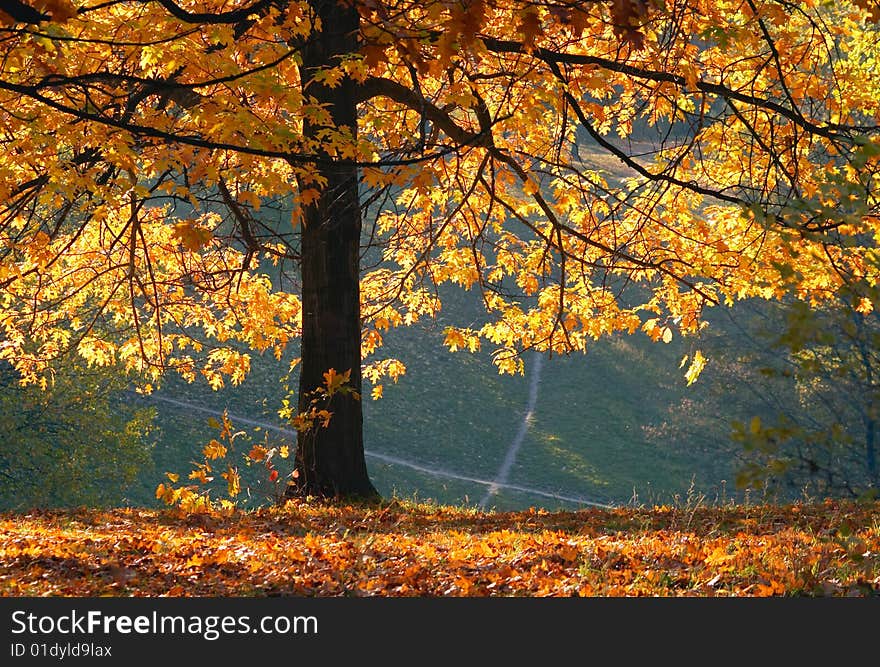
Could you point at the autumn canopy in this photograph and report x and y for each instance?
(187, 183)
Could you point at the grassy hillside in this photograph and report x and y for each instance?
(455, 415)
(404, 549)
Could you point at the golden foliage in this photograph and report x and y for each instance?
(731, 156)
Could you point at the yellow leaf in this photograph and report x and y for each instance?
(192, 236)
(284, 451)
(233, 481)
(214, 450)
(864, 306)
(172, 476)
(696, 367)
(667, 335)
(166, 494)
(200, 475)
(454, 339)
(377, 392)
(530, 187)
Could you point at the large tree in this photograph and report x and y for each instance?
(167, 163)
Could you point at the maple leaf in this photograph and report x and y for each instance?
(308, 196)
(335, 381)
(214, 450)
(200, 475)
(626, 13)
(258, 453)
(627, 16)
(864, 306)
(529, 27)
(191, 235)
(634, 37)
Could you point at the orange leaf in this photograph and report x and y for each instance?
(258, 453)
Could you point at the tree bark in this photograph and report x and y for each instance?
(330, 460)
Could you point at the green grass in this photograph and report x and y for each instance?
(588, 433)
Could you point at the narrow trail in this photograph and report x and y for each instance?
(394, 460)
(503, 473)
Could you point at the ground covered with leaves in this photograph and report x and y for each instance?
(404, 549)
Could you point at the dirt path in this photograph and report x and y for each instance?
(503, 473)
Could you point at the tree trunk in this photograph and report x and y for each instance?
(330, 460)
